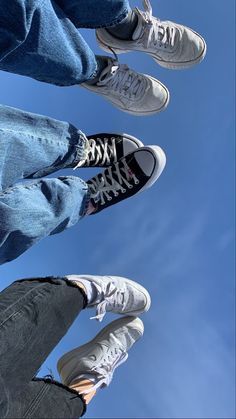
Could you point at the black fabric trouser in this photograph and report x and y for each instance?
(34, 315)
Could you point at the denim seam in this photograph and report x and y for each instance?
(36, 184)
(57, 142)
(20, 300)
(70, 390)
(18, 312)
(65, 146)
(35, 402)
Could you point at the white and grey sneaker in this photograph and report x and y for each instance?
(171, 45)
(114, 294)
(105, 149)
(98, 359)
(135, 93)
(130, 175)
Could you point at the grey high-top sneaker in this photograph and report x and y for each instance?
(171, 45)
(98, 359)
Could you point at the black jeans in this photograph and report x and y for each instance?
(34, 315)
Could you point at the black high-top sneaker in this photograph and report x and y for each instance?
(105, 149)
(130, 175)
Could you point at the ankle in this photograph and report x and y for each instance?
(80, 285)
(91, 209)
(85, 388)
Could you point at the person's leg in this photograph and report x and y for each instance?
(95, 13)
(32, 211)
(33, 146)
(43, 43)
(34, 315)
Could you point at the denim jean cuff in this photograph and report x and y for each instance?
(113, 22)
(50, 380)
(73, 284)
(53, 279)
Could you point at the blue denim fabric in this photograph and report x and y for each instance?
(34, 316)
(33, 146)
(39, 38)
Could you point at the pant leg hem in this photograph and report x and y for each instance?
(52, 280)
(109, 23)
(84, 295)
(50, 380)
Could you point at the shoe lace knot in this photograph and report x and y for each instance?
(99, 152)
(111, 297)
(124, 81)
(113, 181)
(157, 33)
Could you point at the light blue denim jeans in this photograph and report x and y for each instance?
(40, 39)
(31, 147)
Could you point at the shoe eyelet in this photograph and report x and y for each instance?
(123, 190)
(109, 199)
(136, 182)
(116, 194)
(130, 186)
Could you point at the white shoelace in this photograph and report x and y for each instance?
(99, 151)
(122, 80)
(101, 187)
(157, 33)
(113, 358)
(111, 297)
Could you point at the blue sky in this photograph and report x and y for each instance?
(177, 239)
